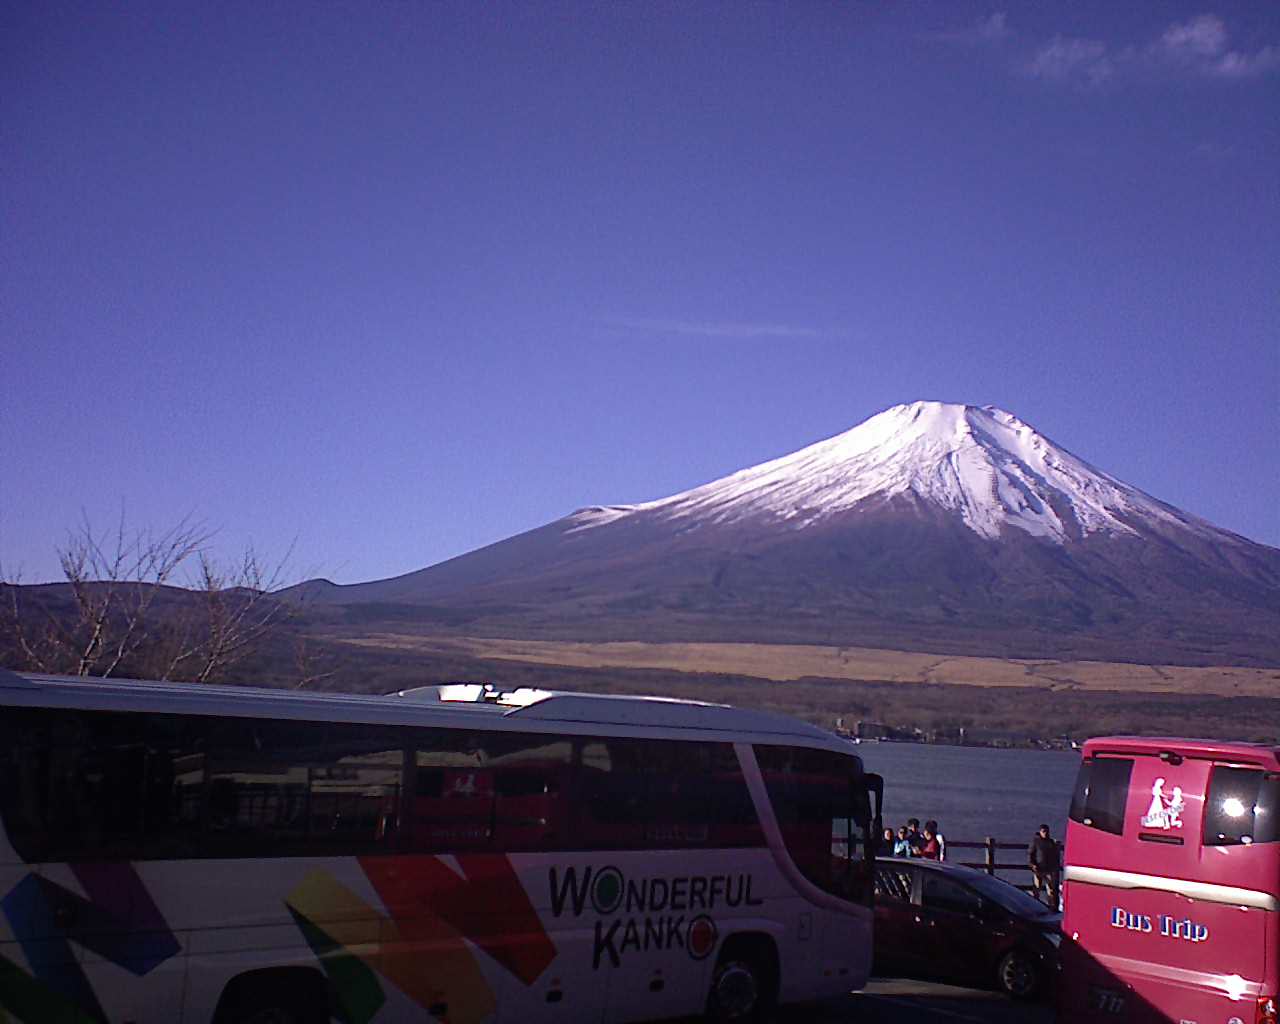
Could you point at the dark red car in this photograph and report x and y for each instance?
(952, 923)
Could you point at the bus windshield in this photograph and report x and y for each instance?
(822, 802)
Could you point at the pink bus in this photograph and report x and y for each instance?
(1172, 884)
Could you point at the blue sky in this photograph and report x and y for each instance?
(389, 282)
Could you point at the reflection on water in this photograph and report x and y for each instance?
(974, 791)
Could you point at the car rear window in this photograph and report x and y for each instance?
(1241, 807)
(1102, 787)
(893, 882)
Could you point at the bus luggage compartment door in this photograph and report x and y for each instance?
(1138, 955)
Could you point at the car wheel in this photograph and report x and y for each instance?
(1018, 974)
(736, 992)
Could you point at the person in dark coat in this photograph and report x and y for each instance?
(1046, 865)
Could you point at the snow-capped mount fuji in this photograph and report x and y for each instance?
(929, 526)
(983, 464)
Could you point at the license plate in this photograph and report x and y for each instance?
(1106, 1000)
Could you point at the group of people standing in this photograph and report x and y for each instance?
(1044, 855)
(913, 841)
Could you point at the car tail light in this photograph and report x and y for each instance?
(1266, 1010)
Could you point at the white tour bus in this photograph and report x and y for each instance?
(175, 852)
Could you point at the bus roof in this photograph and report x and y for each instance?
(1258, 753)
(457, 705)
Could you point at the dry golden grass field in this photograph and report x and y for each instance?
(782, 662)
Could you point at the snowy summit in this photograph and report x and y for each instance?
(983, 464)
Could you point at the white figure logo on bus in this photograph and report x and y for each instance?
(1165, 812)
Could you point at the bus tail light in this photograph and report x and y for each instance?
(1266, 1010)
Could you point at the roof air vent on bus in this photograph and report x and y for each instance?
(477, 693)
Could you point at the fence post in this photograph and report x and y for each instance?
(991, 855)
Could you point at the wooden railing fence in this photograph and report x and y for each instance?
(990, 862)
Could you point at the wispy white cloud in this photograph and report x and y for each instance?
(1234, 64)
(1202, 45)
(1215, 152)
(714, 328)
(985, 31)
(1064, 59)
(1199, 47)
(1201, 37)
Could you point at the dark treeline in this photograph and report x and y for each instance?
(288, 655)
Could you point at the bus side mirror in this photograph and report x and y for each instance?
(875, 786)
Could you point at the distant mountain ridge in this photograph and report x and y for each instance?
(930, 526)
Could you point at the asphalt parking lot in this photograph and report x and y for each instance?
(892, 1001)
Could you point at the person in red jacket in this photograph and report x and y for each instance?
(932, 825)
(930, 849)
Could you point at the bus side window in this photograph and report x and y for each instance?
(452, 807)
(25, 756)
(97, 761)
(677, 808)
(258, 775)
(355, 790)
(531, 791)
(696, 796)
(611, 806)
(100, 785)
(662, 795)
(727, 802)
(492, 790)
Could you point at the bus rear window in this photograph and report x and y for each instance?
(1102, 787)
(1241, 807)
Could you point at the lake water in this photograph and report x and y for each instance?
(974, 791)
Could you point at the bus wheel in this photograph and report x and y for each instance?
(274, 996)
(742, 988)
(1018, 974)
(735, 991)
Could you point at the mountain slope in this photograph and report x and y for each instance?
(929, 526)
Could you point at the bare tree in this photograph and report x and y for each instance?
(307, 663)
(114, 580)
(231, 614)
(121, 608)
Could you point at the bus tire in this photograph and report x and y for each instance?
(745, 981)
(281, 995)
(1018, 974)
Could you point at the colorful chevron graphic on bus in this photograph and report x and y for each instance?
(118, 921)
(424, 946)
